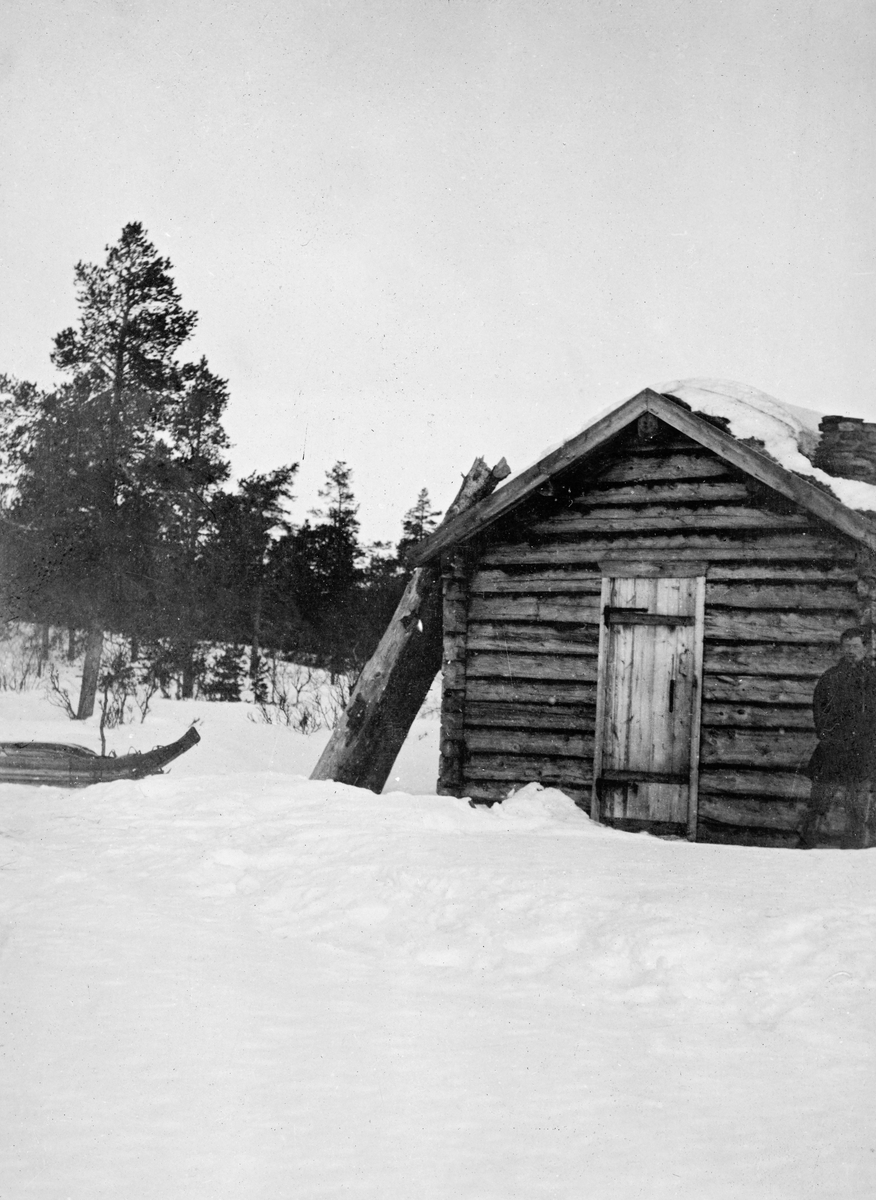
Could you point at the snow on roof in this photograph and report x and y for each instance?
(787, 432)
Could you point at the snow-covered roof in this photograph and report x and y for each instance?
(789, 434)
(765, 438)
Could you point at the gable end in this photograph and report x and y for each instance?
(597, 440)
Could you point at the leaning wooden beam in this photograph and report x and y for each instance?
(393, 685)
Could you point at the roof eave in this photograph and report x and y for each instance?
(474, 520)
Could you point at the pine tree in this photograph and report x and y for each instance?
(21, 560)
(63, 534)
(417, 523)
(338, 536)
(327, 559)
(193, 467)
(122, 362)
(247, 523)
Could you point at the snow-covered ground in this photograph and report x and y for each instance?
(228, 983)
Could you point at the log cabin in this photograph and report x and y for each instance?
(640, 620)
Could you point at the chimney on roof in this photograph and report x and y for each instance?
(847, 447)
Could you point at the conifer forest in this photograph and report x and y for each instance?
(119, 516)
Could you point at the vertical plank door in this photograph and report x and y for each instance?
(648, 702)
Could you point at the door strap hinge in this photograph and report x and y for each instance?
(641, 616)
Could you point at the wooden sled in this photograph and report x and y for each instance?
(59, 765)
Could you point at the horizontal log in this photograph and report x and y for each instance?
(755, 748)
(588, 583)
(534, 639)
(669, 441)
(811, 626)
(738, 820)
(573, 609)
(805, 661)
(639, 468)
(508, 715)
(782, 572)
(522, 742)
(785, 785)
(652, 568)
(734, 626)
(704, 492)
(777, 714)
(710, 833)
(834, 597)
(664, 518)
(520, 769)
(754, 660)
(767, 547)
(582, 622)
(758, 689)
(482, 790)
(762, 814)
(531, 666)
(531, 691)
(715, 716)
(719, 748)
(728, 818)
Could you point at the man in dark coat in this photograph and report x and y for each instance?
(844, 762)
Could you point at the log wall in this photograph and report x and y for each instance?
(780, 587)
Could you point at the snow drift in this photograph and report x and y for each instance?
(229, 983)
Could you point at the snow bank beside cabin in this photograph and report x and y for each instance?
(789, 434)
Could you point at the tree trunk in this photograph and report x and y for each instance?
(45, 645)
(90, 673)
(187, 682)
(393, 685)
(71, 643)
(255, 646)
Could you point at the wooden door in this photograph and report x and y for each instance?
(648, 703)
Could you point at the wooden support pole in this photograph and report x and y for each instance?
(393, 685)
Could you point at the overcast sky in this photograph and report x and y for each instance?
(420, 230)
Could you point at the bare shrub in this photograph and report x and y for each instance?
(300, 696)
(147, 687)
(21, 650)
(116, 686)
(57, 694)
(333, 699)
